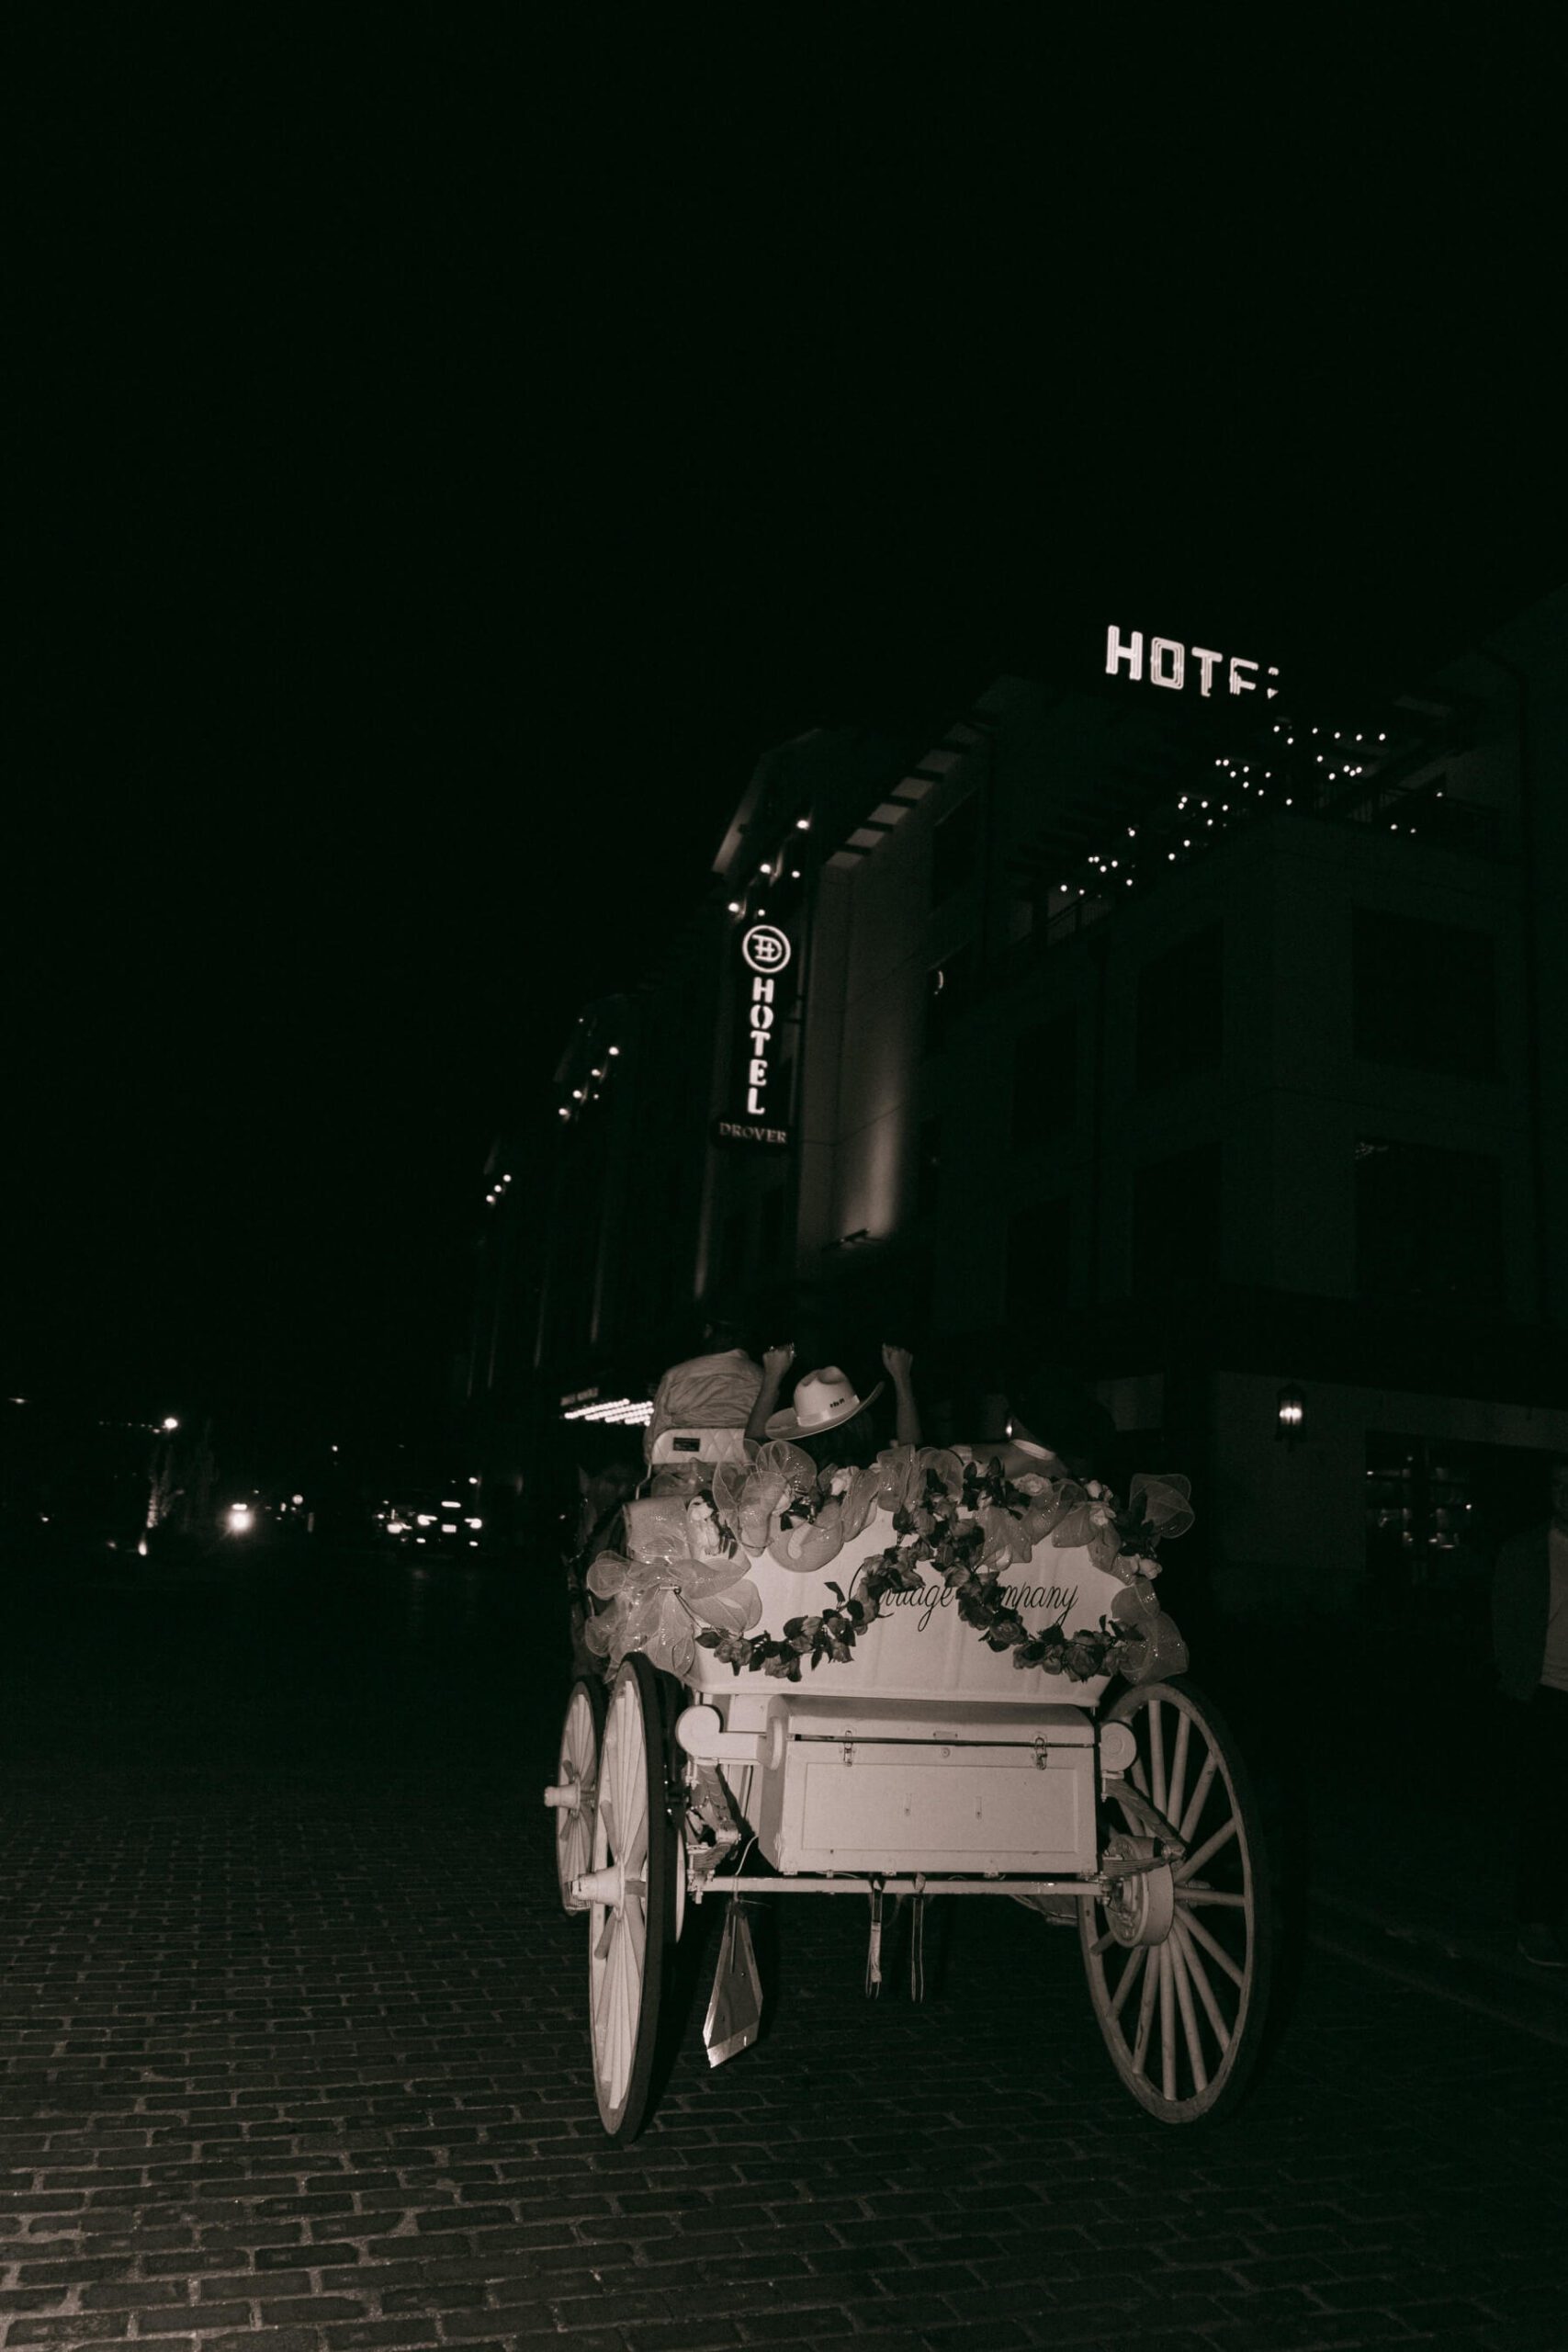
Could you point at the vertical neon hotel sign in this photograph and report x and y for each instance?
(759, 1112)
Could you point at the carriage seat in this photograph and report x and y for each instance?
(688, 1458)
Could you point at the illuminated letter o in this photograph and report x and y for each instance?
(1176, 675)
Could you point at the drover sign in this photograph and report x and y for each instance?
(757, 1110)
(1169, 665)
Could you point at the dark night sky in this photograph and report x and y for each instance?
(447, 468)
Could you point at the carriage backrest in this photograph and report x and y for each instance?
(690, 1445)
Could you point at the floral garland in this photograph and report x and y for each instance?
(970, 1522)
(683, 1579)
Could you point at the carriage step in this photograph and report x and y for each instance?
(735, 2009)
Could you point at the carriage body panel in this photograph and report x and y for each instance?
(920, 1646)
(882, 1785)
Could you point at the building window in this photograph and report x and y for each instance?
(949, 987)
(927, 1167)
(1181, 1010)
(955, 850)
(1175, 1221)
(1426, 994)
(1429, 1224)
(1045, 1081)
(1040, 1241)
(1436, 1509)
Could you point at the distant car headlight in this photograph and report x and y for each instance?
(240, 1516)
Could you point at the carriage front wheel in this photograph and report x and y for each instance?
(1178, 1950)
(630, 1891)
(575, 1791)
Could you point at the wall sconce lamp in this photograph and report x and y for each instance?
(1289, 1414)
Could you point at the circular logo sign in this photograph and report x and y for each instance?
(765, 948)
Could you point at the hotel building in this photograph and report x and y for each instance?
(1208, 1043)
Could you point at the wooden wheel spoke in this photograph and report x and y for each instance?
(1130, 1975)
(1146, 2018)
(1202, 1894)
(1200, 1796)
(1199, 1976)
(1167, 2022)
(631, 1798)
(1215, 1951)
(1207, 1851)
(629, 1995)
(1190, 2034)
(1179, 1767)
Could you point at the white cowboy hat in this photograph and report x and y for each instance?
(822, 1400)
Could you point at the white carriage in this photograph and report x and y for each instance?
(925, 1762)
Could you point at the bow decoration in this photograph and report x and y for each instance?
(656, 1606)
(1156, 1648)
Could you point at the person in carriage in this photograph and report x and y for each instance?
(826, 1418)
(714, 1389)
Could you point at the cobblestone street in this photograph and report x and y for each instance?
(294, 2056)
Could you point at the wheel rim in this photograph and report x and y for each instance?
(578, 1769)
(1178, 1968)
(628, 1928)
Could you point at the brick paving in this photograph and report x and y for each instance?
(293, 2057)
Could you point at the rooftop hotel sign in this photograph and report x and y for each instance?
(757, 1109)
(1180, 667)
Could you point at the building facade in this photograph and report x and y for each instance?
(1202, 1042)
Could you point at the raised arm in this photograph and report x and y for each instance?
(906, 1424)
(776, 1362)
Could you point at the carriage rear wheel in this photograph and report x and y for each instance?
(575, 1793)
(631, 1889)
(1177, 1952)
